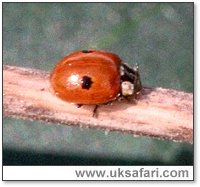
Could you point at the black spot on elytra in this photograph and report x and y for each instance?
(87, 51)
(86, 82)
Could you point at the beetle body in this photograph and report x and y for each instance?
(93, 77)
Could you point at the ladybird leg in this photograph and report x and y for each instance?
(109, 103)
(127, 98)
(79, 105)
(95, 111)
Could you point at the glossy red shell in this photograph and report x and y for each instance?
(87, 77)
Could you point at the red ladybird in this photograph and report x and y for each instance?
(94, 77)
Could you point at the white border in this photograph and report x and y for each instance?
(123, 173)
(145, 1)
(197, 77)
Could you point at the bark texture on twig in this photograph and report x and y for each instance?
(160, 113)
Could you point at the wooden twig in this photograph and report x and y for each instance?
(161, 113)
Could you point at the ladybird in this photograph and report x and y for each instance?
(94, 77)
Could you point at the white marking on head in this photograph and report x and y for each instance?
(127, 88)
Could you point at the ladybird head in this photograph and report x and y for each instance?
(130, 80)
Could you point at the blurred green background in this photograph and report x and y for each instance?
(157, 36)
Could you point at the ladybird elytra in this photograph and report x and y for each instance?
(87, 77)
